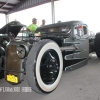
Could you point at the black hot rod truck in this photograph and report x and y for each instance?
(44, 55)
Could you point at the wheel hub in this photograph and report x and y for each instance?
(49, 67)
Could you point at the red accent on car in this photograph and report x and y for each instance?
(79, 26)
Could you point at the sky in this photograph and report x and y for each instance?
(65, 10)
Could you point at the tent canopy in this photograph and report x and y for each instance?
(11, 6)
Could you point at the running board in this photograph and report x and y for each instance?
(77, 65)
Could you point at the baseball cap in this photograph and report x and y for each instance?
(34, 19)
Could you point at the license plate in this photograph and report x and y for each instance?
(12, 78)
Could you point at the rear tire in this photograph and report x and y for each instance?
(44, 66)
(97, 44)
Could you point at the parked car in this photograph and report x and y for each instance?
(44, 55)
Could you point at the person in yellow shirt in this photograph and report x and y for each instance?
(32, 27)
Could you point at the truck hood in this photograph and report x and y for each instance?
(13, 27)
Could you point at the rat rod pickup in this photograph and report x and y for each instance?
(44, 55)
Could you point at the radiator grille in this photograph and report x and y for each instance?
(13, 62)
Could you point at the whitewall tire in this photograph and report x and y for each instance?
(44, 66)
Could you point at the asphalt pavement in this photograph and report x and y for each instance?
(80, 84)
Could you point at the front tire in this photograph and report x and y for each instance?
(44, 66)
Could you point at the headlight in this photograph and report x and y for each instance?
(21, 52)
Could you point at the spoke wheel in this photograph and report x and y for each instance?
(49, 67)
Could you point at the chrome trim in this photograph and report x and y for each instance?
(2, 48)
(68, 48)
(3, 34)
